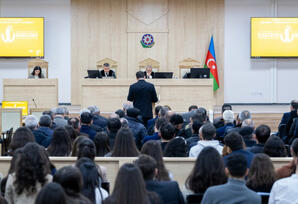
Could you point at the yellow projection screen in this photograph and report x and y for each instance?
(274, 37)
(21, 37)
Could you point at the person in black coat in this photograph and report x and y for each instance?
(142, 94)
(168, 191)
(107, 72)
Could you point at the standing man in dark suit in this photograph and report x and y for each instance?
(107, 72)
(142, 94)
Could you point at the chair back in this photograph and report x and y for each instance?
(264, 196)
(194, 198)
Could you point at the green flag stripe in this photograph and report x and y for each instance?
(215, 85)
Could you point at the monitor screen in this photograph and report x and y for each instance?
(200, 73)
(94, 74)
(274, 37)
(21, 37)
(163, 75)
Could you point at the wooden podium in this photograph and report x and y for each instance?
(40, 93)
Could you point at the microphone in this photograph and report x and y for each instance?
(34, 102)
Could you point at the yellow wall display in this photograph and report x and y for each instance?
(21, 37)
(274, 37)
(16, 104)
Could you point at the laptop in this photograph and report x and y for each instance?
(199, 73)
(94, 74)
(163, 75)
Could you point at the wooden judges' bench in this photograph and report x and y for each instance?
(179, 167)
(110, 94)
(44, 92)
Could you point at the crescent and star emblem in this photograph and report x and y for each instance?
(212, 64)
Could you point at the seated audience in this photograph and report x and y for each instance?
(92, 182)
(102, 144)
(285, 190)
(178, 123)
(86, 122)
(287, 116)
(243, 115)
(177, 147)
(168, 191)
(44, 134)
(126, 106)
(219, 122)
(191, 111)
(167, 132)
(32, 171)
(207, 135)
(262, 134)
(235, 190)
(125, 145)
(136, 126)
(59, 119)
(113, 126)
(228, 117)
(75, 145)
(70, 178)
(31, 122)
(275, 147)
(130, 188)
(97, 119)
(121, 113)
(208, 171)
(51, 193)
(261, 174)
(75, 123)
(234, 143)
(151, 123)
(156, 136)
(60, 144)
(71, 132)
(195, 127)
(20, 138)
(153, 149)
(247, 135)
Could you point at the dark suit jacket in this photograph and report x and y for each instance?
(152, 74)
(285, 118)
(168, 191)
(88, 130)
(111, 73)
(143, 94)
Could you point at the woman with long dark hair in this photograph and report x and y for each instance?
(153, 149)
(92, 182)
(102, 144)
(208, 171)
(32, 171)
(20, 138)
(261, 174)
(130, 188)
(60, 144)
(125, 145)
(275, 147)
(36, 73)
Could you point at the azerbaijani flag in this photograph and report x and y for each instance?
(211, 63)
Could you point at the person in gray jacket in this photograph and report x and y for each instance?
(235, 191)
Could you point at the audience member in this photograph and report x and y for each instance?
(168, 191)
(234, 143)
(20, 138)
(177, 147)
(97, 119)
(121, 113)
(86, 121)
(207, 135)
(208, 171)
(150, 124)
(127, 106)
(135, 125)
(130, 188)
(262, 134)
(228, 117)
(275, 147)
(102, 144)
(31, 122)
(163, 112)
(195, 127)
(125, 145)
(219, 122)
(243, 115)
(153, 149)
(113, 126)
(177, 121)
(92, 182)
(287, 116)
(70, 178)
(60, 144)
(235, 190)
(156, 136)
(71, 132)
(75, 145)
(167, 132)
(261, 174)
(59, 119)
(66, 115)
(285, 190)
(51, 193)
(124, 123)
(247, 134)
(191, 111)
(75, 123)
(44, 134)
(169, 115)
(51, 114)
(31, 173)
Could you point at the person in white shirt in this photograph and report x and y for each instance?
(207, 134)
(285, 191)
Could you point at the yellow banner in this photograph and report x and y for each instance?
(21, 37)
(274, 37)
(16, 104)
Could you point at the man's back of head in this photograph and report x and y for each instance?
(114, 125)
(208, 131)
(140, 75)
(196, 125)
(133, 112)
(147, 165)
(176, 119)
(45, 121)
(192, 107)
(60, 111)
(86, 118)
(31, 122)
(237, 166)
(225, 107)
(234, 141)
(263, 133)
(243, 115)
(167, 131)
(228, 116)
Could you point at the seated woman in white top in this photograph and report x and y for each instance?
(36, 73)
